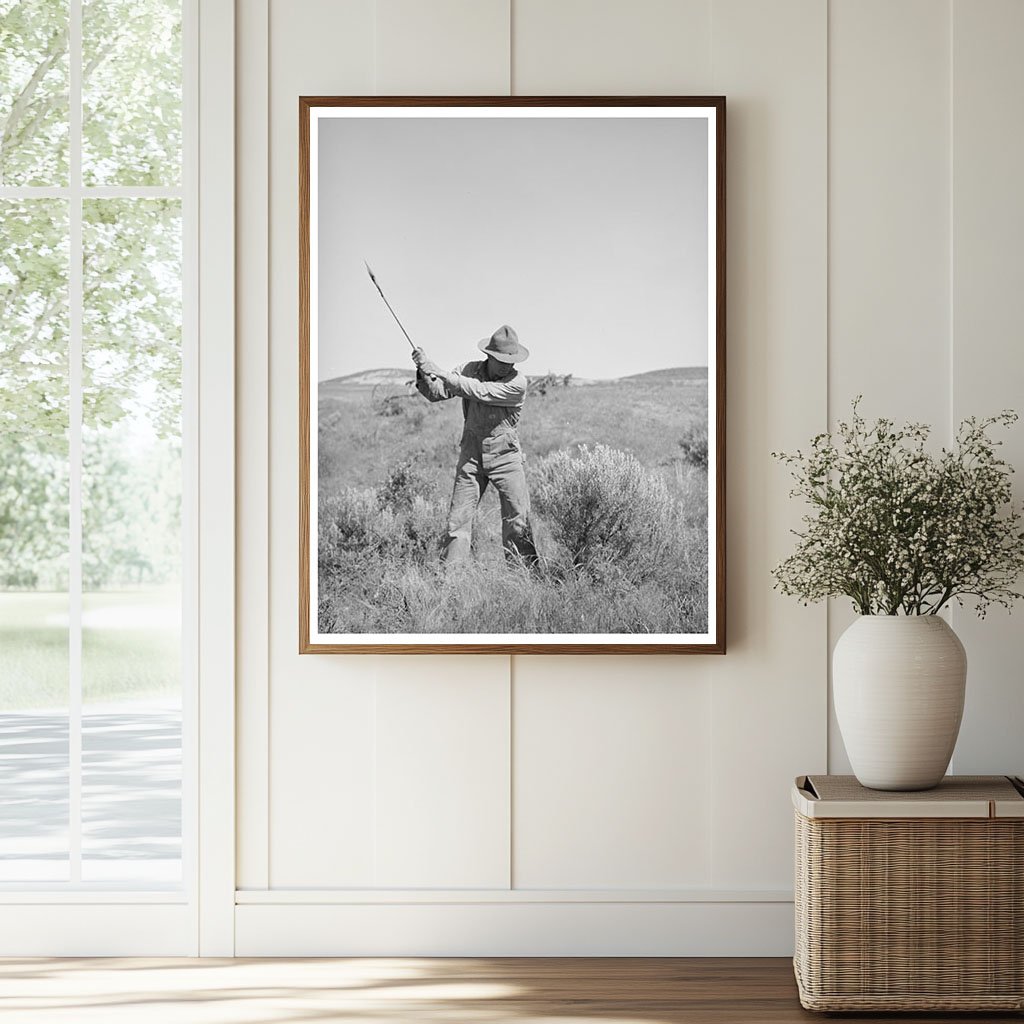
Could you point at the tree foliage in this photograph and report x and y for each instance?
(131, 292)
(34, 322)
(131, 92)
(34, 74)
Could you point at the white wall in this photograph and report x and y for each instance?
(626, 805)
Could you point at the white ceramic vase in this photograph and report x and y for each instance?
(898, 683)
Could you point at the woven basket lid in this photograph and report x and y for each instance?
(957, 796)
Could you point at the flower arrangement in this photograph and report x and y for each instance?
(900, 530)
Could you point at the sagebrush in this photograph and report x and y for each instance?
(606, 510)
(621, 552)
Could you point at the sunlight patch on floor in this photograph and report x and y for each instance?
(189, 991)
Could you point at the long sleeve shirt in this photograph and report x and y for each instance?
(489, 407)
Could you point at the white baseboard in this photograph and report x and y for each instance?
(97, 929)
(521, 928)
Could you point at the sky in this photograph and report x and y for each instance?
(587, 235)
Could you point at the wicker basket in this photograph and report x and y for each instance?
(910, 901)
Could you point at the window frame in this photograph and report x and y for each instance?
(121, 918)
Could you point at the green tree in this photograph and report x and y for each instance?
(131, 312)
(33, 515)
(131, 92)
(33, 92)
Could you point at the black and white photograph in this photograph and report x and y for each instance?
(512, 379)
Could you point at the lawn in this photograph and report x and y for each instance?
(130, 647)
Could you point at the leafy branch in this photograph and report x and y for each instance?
(23, 102)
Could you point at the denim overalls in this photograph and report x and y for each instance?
(490, 452)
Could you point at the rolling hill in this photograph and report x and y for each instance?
(391, 375)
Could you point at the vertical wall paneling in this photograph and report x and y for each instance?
(889, 222)
(610, 47)
(661, 776)
(323, 759)
(321, 708)
(988, 340)
(441, 48)
(336, 802)
(598, 800)
(442, 773)
(612, 761)
(769, 692)
(216, 300)
(888, 332)
(252, 589)
(442, 751)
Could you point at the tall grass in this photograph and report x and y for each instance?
(620, 553)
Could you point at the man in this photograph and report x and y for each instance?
(492, 393)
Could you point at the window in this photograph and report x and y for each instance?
(95, 464)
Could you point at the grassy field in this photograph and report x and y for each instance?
(364, 430)
(378, 541)
(130, 647)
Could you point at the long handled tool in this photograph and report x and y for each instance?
(388, 304)
(394, 314)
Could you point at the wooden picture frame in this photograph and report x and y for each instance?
(325, 574)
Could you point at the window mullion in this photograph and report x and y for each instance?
(75, 302)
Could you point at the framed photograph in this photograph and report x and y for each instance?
(512, 375)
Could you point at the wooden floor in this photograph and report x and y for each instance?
(381, 991)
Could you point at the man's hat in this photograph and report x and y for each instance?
(504, 344)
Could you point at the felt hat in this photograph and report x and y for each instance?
(504, 344)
